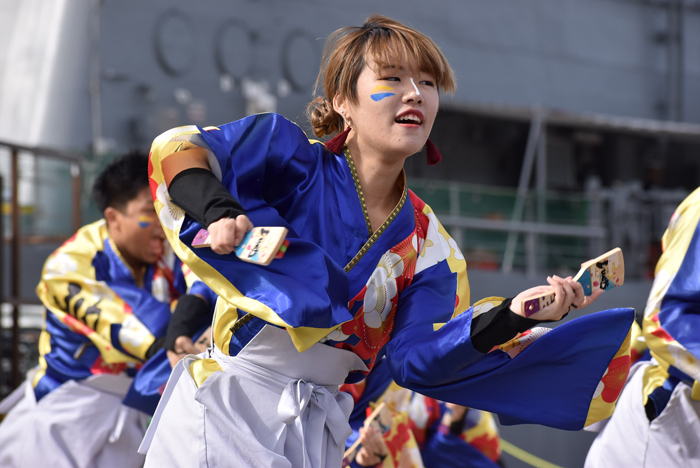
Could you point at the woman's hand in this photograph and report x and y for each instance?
(568, 294)
(227, 233)
(373, 449)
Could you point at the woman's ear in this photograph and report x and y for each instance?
(339, 105)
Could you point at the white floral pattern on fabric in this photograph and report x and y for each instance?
(418, 411)
(458, 253)
(519, 344)
(101, 291)
(397, 399)
(417, 243)
(684, 360)
(59, 265)
(436, 248)
(601, 386)
(674, 220)
(335, 335)
(160, 289)
(170, 215)
(482, 308)
(133, 332)
(381, 289)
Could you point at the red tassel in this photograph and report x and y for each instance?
(434, 155)
(336, 143)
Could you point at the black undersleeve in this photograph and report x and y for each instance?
(190, 315)
(156, 346)
(202, 196)
(497, 326)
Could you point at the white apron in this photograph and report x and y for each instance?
(629, 440)
(81, 424)
(270, 407)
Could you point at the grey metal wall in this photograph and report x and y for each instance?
(601, 56)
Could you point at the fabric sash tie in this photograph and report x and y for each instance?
(305, 405)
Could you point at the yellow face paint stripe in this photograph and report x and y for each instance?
(381, 88)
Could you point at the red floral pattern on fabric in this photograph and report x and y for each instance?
(101, 367)
(355, 390)
(663, 334)
(76, 325)
(152, 183)
(369, 340)
(396, 440)
(634, 355)
(418, 204)
(432, 408)
(68, 241)
(615, 378)
(373, 339)
(487, 444)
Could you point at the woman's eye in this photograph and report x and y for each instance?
(391, 78)
(427, 83)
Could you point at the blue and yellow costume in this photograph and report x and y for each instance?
(98, 319)
(659, 420)
(400, 291)
(100, 327)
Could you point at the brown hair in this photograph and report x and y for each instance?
(386, 41)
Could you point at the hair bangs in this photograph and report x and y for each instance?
(390, 47)
(382, 42)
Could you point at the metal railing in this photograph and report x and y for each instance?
(558, 230)
(17, 238)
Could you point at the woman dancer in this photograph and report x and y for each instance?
(369, 272)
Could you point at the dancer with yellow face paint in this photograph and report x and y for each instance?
(369, 272)
(108, 293)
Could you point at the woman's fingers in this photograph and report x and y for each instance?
(223, 235)
(373, 448)
(559, 295)
(588, 300)
(579, 296)
(569, 294)
(227, 233)
(369, 439)
(243, 225)
(564, 295)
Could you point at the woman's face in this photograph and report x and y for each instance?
(395, 110)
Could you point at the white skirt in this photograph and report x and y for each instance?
(270, 407)
(630, 440)
(81, 424)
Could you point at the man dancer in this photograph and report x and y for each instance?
(108, 292)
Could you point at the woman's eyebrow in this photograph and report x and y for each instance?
(392, 68)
